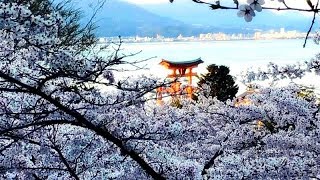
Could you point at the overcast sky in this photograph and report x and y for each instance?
(147, 1)
(293, 3)
(269, 3)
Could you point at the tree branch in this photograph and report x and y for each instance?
(65, 162)
(87, 124)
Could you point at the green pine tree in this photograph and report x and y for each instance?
(221, 83)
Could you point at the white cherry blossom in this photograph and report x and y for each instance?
(246, 12)
(58, 122)
(256, 4)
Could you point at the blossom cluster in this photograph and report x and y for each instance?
(247, 11)
(60, 119)
(277, 72)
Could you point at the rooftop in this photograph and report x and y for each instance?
(180, 64)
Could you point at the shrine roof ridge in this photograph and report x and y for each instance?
(194, 62)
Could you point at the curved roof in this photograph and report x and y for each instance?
(181, 64)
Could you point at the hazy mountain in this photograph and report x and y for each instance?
(182, 17)
(125, 19)
(202, 15)
(121, 18)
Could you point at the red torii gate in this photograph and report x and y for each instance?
(179, 69)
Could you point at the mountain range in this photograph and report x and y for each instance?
(118, 17)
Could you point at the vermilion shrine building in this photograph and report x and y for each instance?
(180, 70)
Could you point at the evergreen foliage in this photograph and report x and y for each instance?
(221, 83)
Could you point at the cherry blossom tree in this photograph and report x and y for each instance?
(64, 116)
(275, 72)
(44, 86)
(71, 32)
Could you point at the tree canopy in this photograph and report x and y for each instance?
(58, 121)
(220, 82)
(70, 32)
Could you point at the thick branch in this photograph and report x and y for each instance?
(84, 122)
(210, 163)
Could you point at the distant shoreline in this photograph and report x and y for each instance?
(212, 37)
(195, 40)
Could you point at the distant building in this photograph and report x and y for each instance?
(243, 99)
(180, 37)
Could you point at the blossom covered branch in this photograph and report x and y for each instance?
(64, 115)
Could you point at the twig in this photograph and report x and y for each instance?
(312, 23)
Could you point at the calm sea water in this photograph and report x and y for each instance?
(238, 55)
